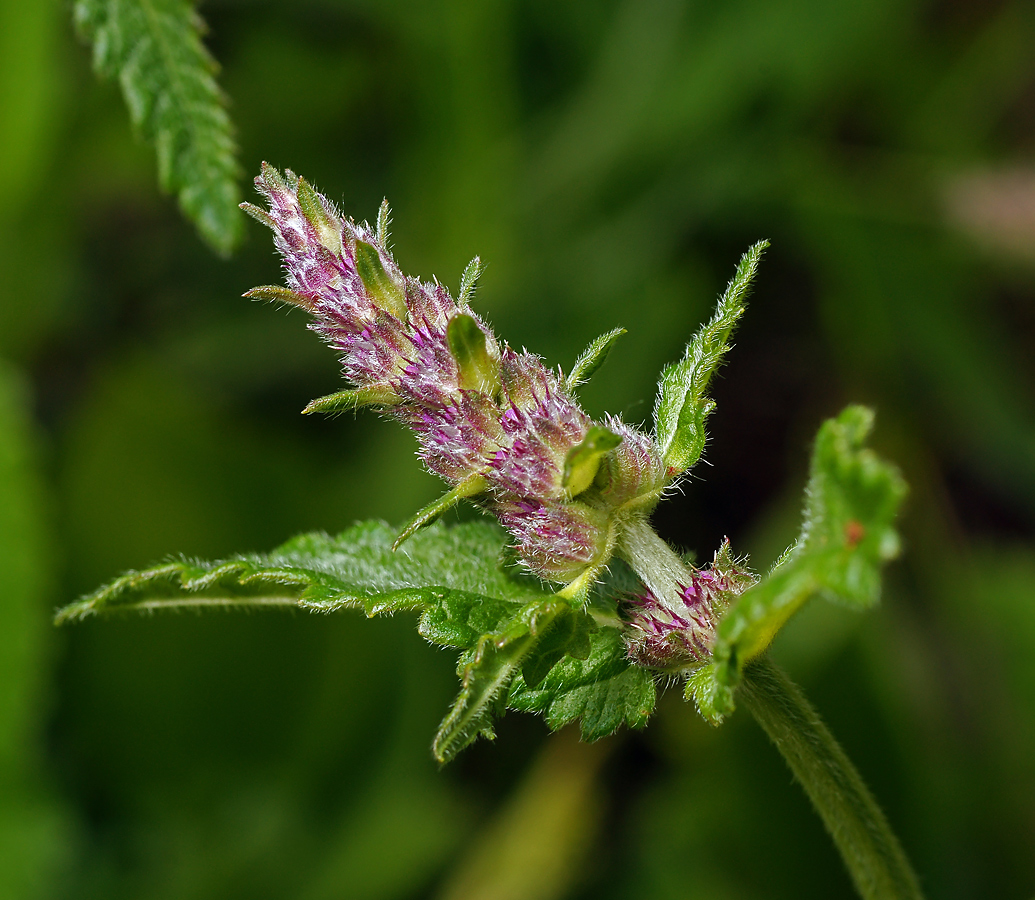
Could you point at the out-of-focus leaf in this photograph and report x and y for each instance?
(154, 48)
(847, 535)
(30, 824)
(682, 405)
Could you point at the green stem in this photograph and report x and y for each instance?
(872, 853)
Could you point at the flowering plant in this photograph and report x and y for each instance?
(572, 607)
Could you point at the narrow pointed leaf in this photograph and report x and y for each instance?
(682, 405)
(469, 281)
(274, 293)
(469, 487)
(384, 220)
(591, 359)
(346, 401)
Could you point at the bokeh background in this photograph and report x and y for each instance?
(610, 159)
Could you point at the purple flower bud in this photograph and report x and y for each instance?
(678, 632)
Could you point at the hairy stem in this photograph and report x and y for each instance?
(872, 853)
(656, 563)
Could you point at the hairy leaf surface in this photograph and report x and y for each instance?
(682, 405)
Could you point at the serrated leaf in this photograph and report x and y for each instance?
(848, 534)
(569, 635)
(450, 574)
(591, 359)
(605, 690)
(155, 50)
(682, 406)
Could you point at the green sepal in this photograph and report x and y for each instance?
(469, 281)
(276, 294)
(327, 226)
(682, 407)
(591, 359)
(479, 368)
(259, 214)
(582, 461)
(847, 535)
(604, 690)
(383, 290)
(346, 401)
(471, 486)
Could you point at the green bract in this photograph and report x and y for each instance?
(154, 48)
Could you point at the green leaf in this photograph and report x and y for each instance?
(274, 293)
(154, 48)
(591, 359)
(384, 219)
(582, 462)
(604, 690)
(442, 572)
(682, 406)
(848, 534)
(487, 673)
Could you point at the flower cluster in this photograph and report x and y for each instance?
(503, 429)
(663, 634)
(494, 422)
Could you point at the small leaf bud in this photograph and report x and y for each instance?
(327, 226)
(479, 367)
(383, 290)
(583, 460)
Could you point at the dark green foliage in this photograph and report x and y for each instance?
(508, 627)
(154, 48)
(682, 405)
(848, 534)
(603, 691)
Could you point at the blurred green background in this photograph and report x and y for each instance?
(610, 160)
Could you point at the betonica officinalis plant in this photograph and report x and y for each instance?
(562, 600)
